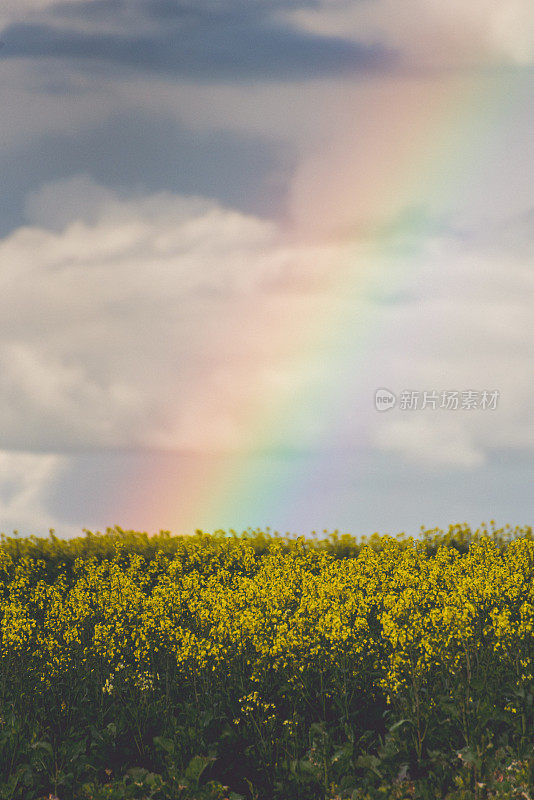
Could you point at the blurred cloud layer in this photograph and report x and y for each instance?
(188, 186)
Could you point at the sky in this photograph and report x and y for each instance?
(226, 224)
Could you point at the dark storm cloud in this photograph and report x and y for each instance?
(175, 9)
(134, 151)
(229, 46)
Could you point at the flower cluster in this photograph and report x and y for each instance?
(276, 636)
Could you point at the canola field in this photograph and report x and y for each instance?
(260, 666)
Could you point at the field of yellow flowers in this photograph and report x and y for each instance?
(260, 666)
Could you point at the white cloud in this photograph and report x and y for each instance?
(144, 323)
(434, 442)
(25, 482)
(173, 323)
(467, 326)
(430, 32)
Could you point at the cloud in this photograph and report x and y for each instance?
(122, 320)
(432, 34)
(236, 47)
(149, 151)
(436, 443)
(173, 323)
(26, 481)
(465, 326)
(135, 17)
(282, 38)
(454, 145)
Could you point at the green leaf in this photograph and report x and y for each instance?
(469, 757)
(138, 774)
(43, 746)
(317, 727)
(165, 744)
(112, 729)
(152, 779)
(306, 766)
(348, 782)
(342, 753)
(196, 767)
(367, 761)
(398, 724)
(370, 762)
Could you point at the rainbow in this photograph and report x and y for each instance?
(363, 210)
